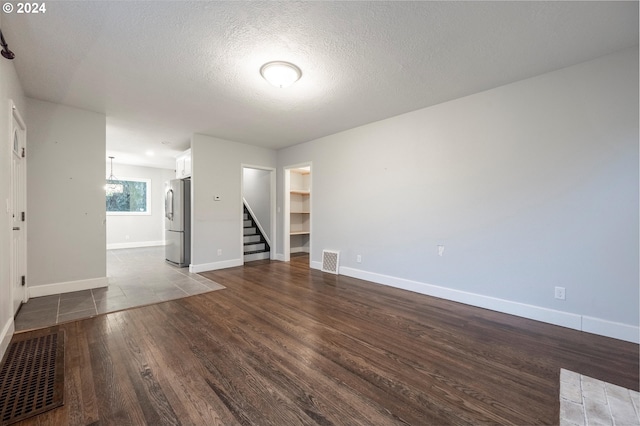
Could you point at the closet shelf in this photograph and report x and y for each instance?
(299, 193)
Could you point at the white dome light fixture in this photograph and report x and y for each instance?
(280, 74)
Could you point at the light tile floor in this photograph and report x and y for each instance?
(588, 401)
(137, 277)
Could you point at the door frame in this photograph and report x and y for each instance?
(272, 208)
(17, 206)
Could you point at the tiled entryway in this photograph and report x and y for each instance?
(588, 401)
(137, 277)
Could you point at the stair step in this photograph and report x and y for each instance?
(255, 245)
(256, 251)
(252, 248)
(256, 256)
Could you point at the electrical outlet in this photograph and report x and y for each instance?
(440, 250)
(560, 293)
(219, 252)
(359, 259)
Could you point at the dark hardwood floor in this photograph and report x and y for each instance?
(285, 345)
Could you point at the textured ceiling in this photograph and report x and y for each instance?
(161, 71)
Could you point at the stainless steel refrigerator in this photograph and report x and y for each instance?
(177, 221)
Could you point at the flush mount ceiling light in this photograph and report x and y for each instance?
(280, 74)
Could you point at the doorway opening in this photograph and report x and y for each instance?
(297, 210)
(258, 237)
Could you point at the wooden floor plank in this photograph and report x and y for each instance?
(80, 394)
(295, 368)
(285, 345)
(183, 380)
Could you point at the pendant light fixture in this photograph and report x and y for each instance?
(113, 186)
(280, 74)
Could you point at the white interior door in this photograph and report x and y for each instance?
(18, 211)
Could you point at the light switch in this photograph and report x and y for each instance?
(217, 198)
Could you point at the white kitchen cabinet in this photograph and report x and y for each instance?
(183, 165)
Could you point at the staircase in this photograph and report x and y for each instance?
(255, 245)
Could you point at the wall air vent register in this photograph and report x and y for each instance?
(330, 261)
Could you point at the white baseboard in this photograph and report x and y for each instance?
(299, 250)
(598, 326)
(317, 265)
(194, 269)
(5, 335)
(67, 287)
(134, 245)
(616, 330)
(280, 256)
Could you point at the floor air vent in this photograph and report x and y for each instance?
(330, 260)
(32, 375)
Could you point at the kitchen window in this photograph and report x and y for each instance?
(128, 196)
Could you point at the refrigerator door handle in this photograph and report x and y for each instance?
(168, 205)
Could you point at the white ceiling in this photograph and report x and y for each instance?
(164, 70)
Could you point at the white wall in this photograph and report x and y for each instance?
(256, 188)
(217, 225)
(10, 89)
(529, 186)
(139, 230)
(65, 199)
